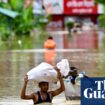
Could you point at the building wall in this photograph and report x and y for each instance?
(82, 10)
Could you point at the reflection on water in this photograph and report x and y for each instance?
(14, 65)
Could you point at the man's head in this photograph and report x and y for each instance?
(73, 74)
(44, 86)
(50, 37)
(74, 71)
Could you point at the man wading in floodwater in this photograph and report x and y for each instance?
(42, 96)
(50, 53)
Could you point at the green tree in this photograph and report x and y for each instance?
(100, 1)
(102, 17)
(102, 48)
(20, 27)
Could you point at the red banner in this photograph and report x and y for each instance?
(80, 7)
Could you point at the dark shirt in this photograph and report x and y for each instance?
(40, 100)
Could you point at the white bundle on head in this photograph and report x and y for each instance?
(46, 72)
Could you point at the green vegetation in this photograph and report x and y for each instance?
(70, 25)
(102, 17)
(100, 1)
(19, 32)
(101, 66)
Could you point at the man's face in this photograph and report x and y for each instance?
(44, 86)
(74, 73)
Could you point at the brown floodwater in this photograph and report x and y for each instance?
(15, 64)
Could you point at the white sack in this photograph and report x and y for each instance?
(64, 66)
(46, 72)
(43, 72)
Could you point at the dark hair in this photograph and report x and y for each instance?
(50, 37)
(74, 73)
(73, 68)
(42, 82)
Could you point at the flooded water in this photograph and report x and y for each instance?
(15, 64)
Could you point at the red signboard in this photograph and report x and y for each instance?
(80, 7)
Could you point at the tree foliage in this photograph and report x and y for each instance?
(100, 1)
(24, 22)
(102, 17)
(22, 25)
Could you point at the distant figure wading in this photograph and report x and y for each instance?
(50, 53)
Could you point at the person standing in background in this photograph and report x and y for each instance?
(50, 53)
